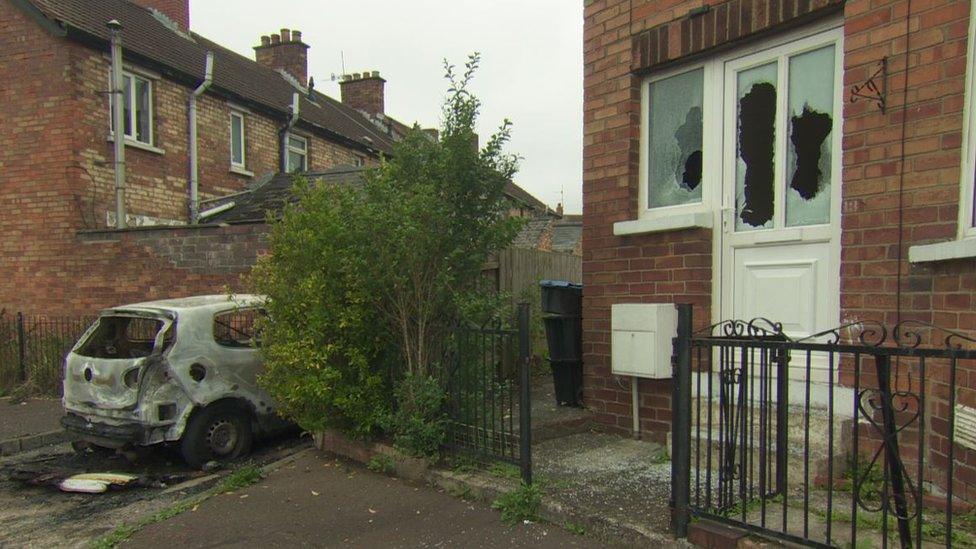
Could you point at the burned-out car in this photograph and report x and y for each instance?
(181, 371)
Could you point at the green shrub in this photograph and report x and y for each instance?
(365, 283)
(381, 463)
(419, 424)
(520, 504)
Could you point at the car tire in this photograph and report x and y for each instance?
(217, 433)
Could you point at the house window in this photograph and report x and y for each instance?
(237, 139)
(297, 154)
(674, 139)
(137, 113)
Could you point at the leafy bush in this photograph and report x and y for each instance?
(419, 423)
(520, 504)
(366, 284)
(381, 463)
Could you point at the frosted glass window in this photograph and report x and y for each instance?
(755, 150)
(810, 122)
(237, 139)
(136, 108)
(674, 133)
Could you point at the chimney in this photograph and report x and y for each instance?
(177, 10)
(364, 92)
(559, 209)
(285, 51)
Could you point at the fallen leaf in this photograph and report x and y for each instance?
(194, 510)
(244, 496)
(314, 493)
(373, 511)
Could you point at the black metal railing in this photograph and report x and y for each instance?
(489, 394)
(846, 438)
(33, 347)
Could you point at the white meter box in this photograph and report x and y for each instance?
(642, 339)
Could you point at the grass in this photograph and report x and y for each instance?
(505, 470)
(521, 504)
(242, 477)
(381, 463)
(575, 528)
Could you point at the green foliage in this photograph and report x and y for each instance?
(869, 478)
(575, 528)
(504, 470)
(242, 477)
(381, 463)
(365, 284)
(419, 423)
(520, 504)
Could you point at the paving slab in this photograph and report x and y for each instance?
(30, 417)
(321, 501)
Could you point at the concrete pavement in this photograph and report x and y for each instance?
(319, 501)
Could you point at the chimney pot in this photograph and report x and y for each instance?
(364, 92)
(284, 51)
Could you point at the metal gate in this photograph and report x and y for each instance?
(873, 464)
(489, 406)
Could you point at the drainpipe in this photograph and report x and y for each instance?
(118, 133)
(194, 168)
(286, 130)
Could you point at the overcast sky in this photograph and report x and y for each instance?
(531, 69)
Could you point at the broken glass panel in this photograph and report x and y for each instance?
(675, 140)
(811, 115)
(755, 162)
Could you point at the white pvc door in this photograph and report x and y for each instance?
(781, 161)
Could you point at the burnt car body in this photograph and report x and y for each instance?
(171, 371)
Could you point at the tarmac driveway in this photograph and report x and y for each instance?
(323, 502)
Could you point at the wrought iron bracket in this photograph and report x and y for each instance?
(874, 88)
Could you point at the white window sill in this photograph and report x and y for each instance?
(241, 171)
(943, 251)
(701, 220)
(129, 142)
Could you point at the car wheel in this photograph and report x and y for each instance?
(218, 433)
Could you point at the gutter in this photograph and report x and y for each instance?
(194, 160)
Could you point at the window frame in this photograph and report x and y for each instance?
(782, 53)
(242, 165)
(133, 117)
(644, 212)
(967, 166)
(289, 149)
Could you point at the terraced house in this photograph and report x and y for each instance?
(199, 122)
(810, 162)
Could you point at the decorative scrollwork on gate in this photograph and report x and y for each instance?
(871, 498)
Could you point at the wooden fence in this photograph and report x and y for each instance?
(518, 271)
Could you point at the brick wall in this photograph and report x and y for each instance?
(165, 262)
(624, 40)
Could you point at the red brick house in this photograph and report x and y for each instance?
(59, 252)
(728, 164)
(56, 150)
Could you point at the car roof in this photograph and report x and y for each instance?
(199, 303)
